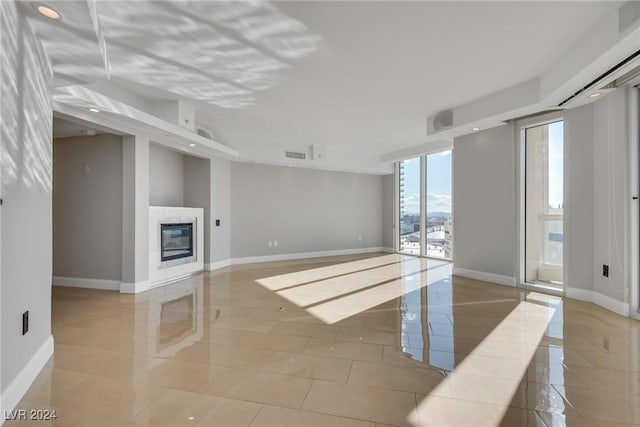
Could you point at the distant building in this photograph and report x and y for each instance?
(448, 238)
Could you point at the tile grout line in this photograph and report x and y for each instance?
(313, 381)
(256, 415)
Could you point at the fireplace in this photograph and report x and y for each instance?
(176, 241)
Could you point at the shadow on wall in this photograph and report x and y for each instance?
(216, 52)
(26, 117)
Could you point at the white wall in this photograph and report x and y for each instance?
(305, 210)
(484, 202)
(26, 165)
(87, 207)
(166, 177)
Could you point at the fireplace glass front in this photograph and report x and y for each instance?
(176, 240)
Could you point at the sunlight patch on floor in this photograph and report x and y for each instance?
(288, 280)
(488, 384)
(335, 293)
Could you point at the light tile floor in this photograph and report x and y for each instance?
(375, 340)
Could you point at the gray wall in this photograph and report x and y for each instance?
(305, 210)
(25, 144)
(87, 207)
(578, 198)
(611, 232)
(220, 209)
(388, 203)
(484, 201)
(166, 177)
(197, 194)
(597, 206)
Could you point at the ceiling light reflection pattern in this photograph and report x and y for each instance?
(216, 52)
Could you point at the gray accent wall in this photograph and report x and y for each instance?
(305, 210)
(197, 194)
(26, 187)
(87, 207)
(484, 201)
(221, 209)
(597, 199)
(611, 195)
(578, 198)
(166, 177)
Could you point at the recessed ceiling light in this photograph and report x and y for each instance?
(289, 165)
(595, 94)
(48, 12)
(192, 145)
(94, 110)
(475, 129)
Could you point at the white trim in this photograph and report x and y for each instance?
(597, 298)
(27, 375)
(634, 211)
(301, 255)
(285, 257)
(216, 265)
(485, 277)
(134, 288)
(85, 282)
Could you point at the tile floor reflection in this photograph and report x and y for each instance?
(378, 339)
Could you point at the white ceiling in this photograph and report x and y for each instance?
(358, 76)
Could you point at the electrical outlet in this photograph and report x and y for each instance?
(217, 223)
(25, 322)
(605, 270)
(275, 243)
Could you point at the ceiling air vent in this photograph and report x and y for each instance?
(295, 155)
(204, 133)
(441, 120)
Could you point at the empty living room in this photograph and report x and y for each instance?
(319, 213)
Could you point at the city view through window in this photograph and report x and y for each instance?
(437, 237)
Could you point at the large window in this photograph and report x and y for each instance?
(544, 198)
(439, 227)
(426, 221)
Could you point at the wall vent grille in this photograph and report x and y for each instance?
(295, 155)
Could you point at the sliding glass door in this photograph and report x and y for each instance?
(544, 199)
(425, 202)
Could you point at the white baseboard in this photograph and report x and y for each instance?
(218, 264)
(603, 301)
(134, 288)
(302, 255)
(287, 257)
(27, 375)
(84, 282)
(485, 277)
